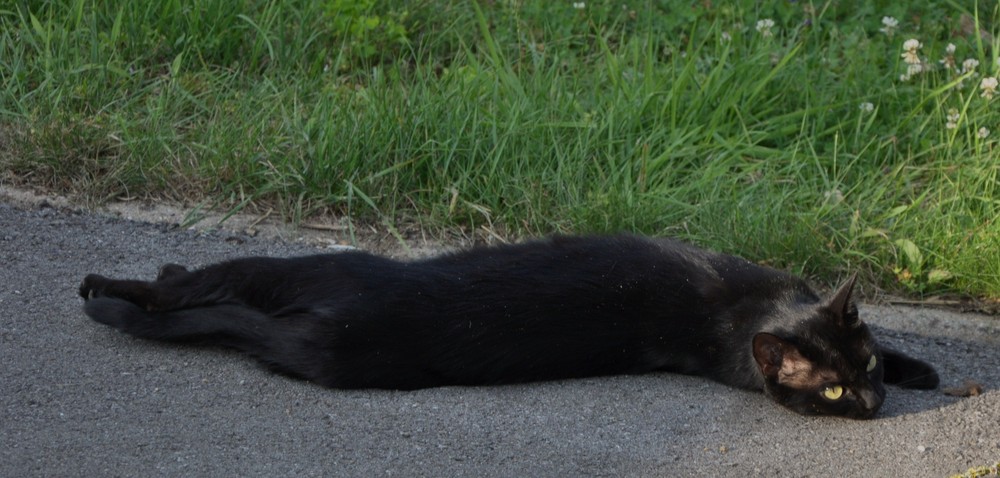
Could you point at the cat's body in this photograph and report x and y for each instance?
(561, 308)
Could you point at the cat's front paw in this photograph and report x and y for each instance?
(93, 286)
(921, 376)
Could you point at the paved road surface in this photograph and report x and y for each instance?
(79, 399)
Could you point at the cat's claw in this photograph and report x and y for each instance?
(91, 286)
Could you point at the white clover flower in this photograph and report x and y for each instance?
(726, 37)
(579, 5)
(949, 57)
(989, 87)
(866, 107)
(833, 197)
(983, 133)
(910, 48)
(764, 27)
(968, 69)
(969, 65)
(953, 117)
(889, 25)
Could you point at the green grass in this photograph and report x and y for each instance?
(533, 117)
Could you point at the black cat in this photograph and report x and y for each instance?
(559, 308)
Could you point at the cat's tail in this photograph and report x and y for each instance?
(226, 325)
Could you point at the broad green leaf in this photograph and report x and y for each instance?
(914, 257)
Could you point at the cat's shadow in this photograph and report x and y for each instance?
(956, 361)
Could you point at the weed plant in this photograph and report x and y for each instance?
(822, 137)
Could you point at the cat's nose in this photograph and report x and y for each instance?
(870, 400)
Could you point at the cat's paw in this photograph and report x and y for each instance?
(93, 286)
(920, 376)
(170, 270)
(907, 372)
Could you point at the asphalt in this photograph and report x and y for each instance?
(79, 399)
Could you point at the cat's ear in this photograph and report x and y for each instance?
(842, 303)
(780, 360)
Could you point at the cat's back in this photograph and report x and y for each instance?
(554, 265)
(605, 253)
(620, 270)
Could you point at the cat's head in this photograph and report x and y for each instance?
(823, 360)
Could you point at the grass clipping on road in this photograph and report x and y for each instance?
(820, 139)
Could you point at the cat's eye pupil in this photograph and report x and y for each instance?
(833, 392)
(871, 363)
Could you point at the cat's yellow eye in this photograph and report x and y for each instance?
(871, 364)
(833, 392)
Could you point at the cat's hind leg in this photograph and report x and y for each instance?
(279, 343)
(171, 287)
(231, 325)
(140, 293)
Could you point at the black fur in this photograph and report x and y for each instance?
(560, 308)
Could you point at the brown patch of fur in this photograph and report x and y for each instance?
(799, 373)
